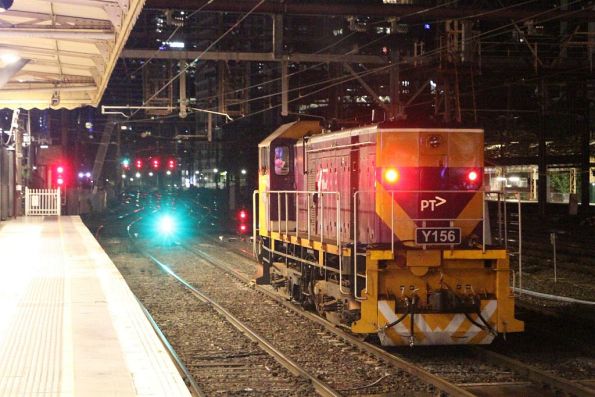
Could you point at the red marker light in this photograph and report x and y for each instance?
(472, 176)
(391, 175)
(243, 214)
(242, 228)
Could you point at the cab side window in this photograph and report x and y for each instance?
(282, 160)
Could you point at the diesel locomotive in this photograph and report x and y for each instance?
(383, 229)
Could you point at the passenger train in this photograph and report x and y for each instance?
(383, 229)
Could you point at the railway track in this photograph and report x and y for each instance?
(343, 362)
(500, 375)
(477, 370)
(220, 354)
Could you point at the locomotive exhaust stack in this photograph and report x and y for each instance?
(384, 229)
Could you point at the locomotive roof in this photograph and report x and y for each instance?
(374, 128)
(294, 130)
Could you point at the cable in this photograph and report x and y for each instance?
(490, 33)
(495, 31)
(325, 48)
(193, 63)
(148, 60)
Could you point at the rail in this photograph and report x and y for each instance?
(42, 202)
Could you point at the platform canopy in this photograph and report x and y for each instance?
(61, 53)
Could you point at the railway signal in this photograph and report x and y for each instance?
(138, 163)
(60, 175)
(171, 164)
(243, 220)
(155, 163)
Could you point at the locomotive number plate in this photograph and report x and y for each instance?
(438, 235)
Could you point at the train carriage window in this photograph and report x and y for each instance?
(282, 160)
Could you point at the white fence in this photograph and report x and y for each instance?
(42, 201)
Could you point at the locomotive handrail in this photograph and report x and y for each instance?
(504, 201)
(254, 223)
(297, 193)
(392, 224)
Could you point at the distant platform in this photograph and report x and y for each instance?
(69, 324)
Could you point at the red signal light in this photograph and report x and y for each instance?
(60, 169)
(472, 176)
(243, 228)
(60, 181)
(155, 163)
(391, 175)
(138, 163)
(171, 164)
(243, 214)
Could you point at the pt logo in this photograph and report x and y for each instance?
(431, 204)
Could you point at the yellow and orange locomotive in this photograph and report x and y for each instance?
(383, 229)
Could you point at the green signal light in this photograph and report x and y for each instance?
(126, 162)
(166, 225)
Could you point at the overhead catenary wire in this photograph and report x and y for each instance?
(169, 38)
(490, 33)
(292, 74)
(193, 63)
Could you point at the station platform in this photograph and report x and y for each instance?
(69, 324)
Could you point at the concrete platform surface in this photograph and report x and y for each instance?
(69, 324)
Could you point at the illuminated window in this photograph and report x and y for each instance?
(282, 160)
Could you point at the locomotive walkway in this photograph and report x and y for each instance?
(70, 326)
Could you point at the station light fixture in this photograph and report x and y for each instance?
(150, 174)
(123, 176)
(168, 172)
(215, 170)
(137, 175)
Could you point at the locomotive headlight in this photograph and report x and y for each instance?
(472, 176)
(391, 175)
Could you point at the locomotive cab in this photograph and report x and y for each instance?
(384, 229)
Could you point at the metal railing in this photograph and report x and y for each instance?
(283, 198)
(503, 199)
(42, 202)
